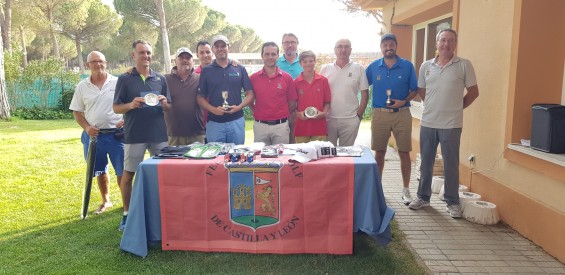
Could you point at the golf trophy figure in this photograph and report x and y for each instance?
(225, 105)
(388, 94)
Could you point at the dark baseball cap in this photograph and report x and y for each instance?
(389, 36)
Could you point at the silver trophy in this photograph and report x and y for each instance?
(151, 99)
(225, 105)
(310, 112)
(388, 100)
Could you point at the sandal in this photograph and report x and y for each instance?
(103, 207)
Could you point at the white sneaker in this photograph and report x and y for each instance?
(418, 203)
(406, 198)
(455, 211)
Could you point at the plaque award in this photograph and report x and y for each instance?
(225, 105)
(388, 94)
(151, 99)
(310, 112)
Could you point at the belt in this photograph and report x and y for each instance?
(108, 130)
(388, 110)
(272, 122)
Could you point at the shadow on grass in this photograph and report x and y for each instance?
(92, 246)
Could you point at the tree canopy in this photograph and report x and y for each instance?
(65, 31)
(70, 29)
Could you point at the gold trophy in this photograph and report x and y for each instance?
(225, 105)
(388, 94)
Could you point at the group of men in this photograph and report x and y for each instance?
(205, 104)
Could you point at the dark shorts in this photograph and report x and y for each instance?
(107, 146)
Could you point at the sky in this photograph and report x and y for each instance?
(317, 23)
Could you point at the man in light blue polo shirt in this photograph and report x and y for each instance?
(288, 62)
(394, 85)
(221, 81)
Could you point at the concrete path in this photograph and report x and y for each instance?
(457, 246)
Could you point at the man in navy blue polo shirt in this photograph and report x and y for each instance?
(222, 82)
(394, 85)
(142, 96)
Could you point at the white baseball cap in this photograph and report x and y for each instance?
(183, 50)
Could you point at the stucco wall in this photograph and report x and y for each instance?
(517, 49)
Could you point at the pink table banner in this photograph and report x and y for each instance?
(268, 206)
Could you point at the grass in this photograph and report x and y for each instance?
(42, 179)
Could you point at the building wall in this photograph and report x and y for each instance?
(518, 50)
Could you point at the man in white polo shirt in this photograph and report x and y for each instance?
(347, 79)
(441, 85)
(92, 109)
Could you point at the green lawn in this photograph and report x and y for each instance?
(41, 183)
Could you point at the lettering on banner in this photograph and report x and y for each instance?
(212, 168)
(247, 237)
(296, 169)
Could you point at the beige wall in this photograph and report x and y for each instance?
(517, 49)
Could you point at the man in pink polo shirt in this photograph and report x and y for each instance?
(275, 99)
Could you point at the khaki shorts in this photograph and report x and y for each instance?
(399, 123)
(306, 139)
(271, 134)
(135, 153)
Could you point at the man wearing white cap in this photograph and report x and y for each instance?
(184, 120)
(219, 93)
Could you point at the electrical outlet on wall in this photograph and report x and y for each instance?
(471, 158)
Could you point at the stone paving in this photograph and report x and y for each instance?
(457, 246)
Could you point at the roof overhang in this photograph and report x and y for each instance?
(372, 4)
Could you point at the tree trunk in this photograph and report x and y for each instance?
(79, 56)
(52, 34)
(7, 26)
(4, 103)
(24, 50)
(164, 35)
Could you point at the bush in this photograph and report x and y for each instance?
(66, 98)
(41, 114)
(119, 70)
(43, 82)
(12, 66)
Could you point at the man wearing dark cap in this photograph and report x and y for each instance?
(184, 120)
(219, 93)
(394, 85)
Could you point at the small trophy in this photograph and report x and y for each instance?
(310, 112)
(225, 105)
(388, 94)
(151, 99)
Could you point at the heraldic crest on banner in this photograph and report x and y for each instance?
(254, 193)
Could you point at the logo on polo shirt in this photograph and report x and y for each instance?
(279, 86)
(234, 74)
(378, 77)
